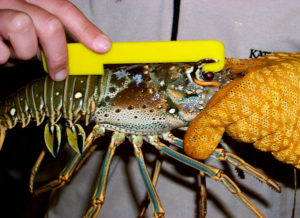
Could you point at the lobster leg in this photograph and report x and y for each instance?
(35, 169)
(137, 142)
(99, 195)
(2, 135)
(203, 195)
(157, 168)
(214, 173)
(169, 137)
(71, 167)
(222, 155)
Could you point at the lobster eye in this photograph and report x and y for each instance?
(208, 76)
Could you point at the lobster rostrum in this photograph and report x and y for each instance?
(141, 102)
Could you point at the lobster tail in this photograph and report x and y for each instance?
(76, 137)
(52, 137)
(72, 99)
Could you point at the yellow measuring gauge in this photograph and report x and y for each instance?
(83, 61)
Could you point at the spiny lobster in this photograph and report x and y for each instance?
(141, 103)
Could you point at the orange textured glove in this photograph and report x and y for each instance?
(262, 108)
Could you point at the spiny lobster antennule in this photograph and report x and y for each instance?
(2, 135)
(76, 137)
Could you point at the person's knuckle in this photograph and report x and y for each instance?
(67, 7)
(53, 25)
(21, 22)
(86, 28)
(58, 60)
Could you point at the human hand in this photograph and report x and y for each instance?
(26, 24)
(261, 108)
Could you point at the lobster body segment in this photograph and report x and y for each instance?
(150, 99)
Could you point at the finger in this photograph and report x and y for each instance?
(17, 27)
(202, 137)
(77, 24)
(51, 36)
(54, 45)
(206, 130)
(4, 52)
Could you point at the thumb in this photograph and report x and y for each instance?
(207, 129)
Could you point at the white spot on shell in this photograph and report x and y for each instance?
(12, 111)
(121, 73)
(57, 93)
(138, 79)
(162, 83)
(172, 111)
(172, 67)
(78, 95)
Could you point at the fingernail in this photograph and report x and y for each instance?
(102, 44)
(60, 75)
